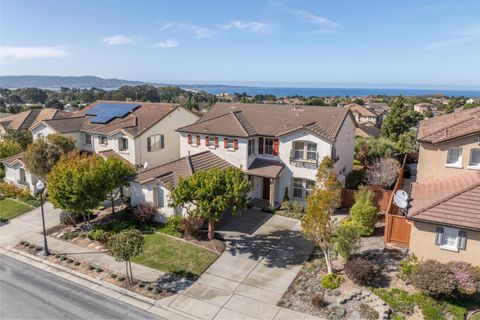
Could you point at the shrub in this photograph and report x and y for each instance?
(318, 300)
(331, 281)
(70, 260)
(336, 312)
(90, 267)
(121, 278)
(10, 190)
(145, 212)
(361, 271)
(292, 206)
(357, 162)
(407, 267)
(383, 173)
(69, 218)
(70, 235)
(77, 263)
(430, 309)
(397, 299)
(25, 195)
(174, 224)
(141, 284)
(364, 211)
(98, 269)
(354, 179)
(99, 235)
(347, 239)
(367, 312)
(113, 276)
(285, 195)
(191, 225)
(63, 258)
(465, 278)
(433, 278)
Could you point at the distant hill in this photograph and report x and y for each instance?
(55, 82)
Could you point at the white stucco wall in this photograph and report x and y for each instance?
(12, 174)
(167, 126)
(141, 193)
(345, 147)
(41, 130)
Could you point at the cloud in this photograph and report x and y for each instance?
(118, 40)
(466, 36)
(170, 43)
(27, 53)
(200, 32)
(248, 26)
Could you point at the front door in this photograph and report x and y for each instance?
(266, 188)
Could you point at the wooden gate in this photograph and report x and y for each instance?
(397, 228)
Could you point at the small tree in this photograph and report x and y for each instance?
(364, 211)
(8, 148)
(325, 197)
(124, 246)
(76, 184)
(41, 156)
(209, 194)
(22, 137)
(115, 176)
(383, 172)
(407, 142)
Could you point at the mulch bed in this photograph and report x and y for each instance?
(148, 289)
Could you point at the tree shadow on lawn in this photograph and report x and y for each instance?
(279, 248)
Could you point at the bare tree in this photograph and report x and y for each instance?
(383, 172)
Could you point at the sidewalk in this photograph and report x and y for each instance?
(28, 227)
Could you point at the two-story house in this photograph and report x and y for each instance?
(444, 205)
(278, 146)
(141, 133)
(364, 116)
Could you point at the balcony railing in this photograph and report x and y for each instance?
(304, 163)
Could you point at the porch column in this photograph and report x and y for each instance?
(272, 192)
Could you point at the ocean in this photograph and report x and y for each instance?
(329, 92)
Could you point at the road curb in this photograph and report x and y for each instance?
(108, 289)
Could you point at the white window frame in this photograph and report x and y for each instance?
(458, 163)
(121, 146)
(85, 142)
(450, 232)
(251, 147)
(305, 191)
(100, 138)
(154, 144)
(472, 165)
(265, 146)
(304, 150)
(230, 144)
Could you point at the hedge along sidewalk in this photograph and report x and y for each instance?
(108, 289)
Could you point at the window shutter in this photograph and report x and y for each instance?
(189, 139)
(160, 198)
(162, 141)
(439, 236)
(149, 144)
(216, 142)
(276, 146)
(462, 240)
(225, 143)
(198, 140)
(235, 144)
(260, 145)
(207, 141)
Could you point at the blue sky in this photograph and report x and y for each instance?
(417, 42)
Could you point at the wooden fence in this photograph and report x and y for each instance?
(397, 228)
(382, 197)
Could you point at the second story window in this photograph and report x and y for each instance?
(123, 144)
(155, 143)
(87, 139)
(268, 148)
(251, 147)
(454, 157)
(474, 158)
(303, 150)
(102, 140)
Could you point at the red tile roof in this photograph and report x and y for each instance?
(451, 201)
(245, 120)
(449, 126)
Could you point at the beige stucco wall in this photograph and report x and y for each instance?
(422, 244)
(433, 158)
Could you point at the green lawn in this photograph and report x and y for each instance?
(10, 209)
(171, 255)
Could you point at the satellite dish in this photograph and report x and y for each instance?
(401, 199)
(145, 165)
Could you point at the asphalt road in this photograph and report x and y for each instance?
(30, 293)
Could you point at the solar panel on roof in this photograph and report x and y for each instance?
(105, 111)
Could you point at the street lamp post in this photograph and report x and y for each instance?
(41, 187)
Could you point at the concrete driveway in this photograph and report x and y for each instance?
(264, 255)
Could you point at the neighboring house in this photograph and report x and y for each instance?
(367, 131)
(16, 173)
(25, 120)
(446, 218)
(444, 202)
(472, 101)
(449, 145)
(380, 108)
(278, 146)
(364, 115)
(154, 185)
(138, 132)
(423, 107)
